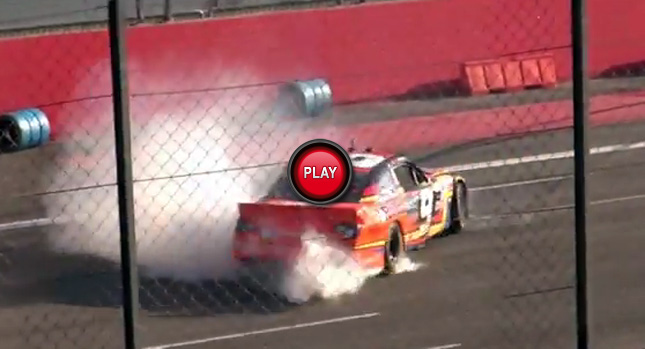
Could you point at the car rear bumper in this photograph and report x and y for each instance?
(248, 247)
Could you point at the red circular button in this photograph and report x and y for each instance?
(320, 171)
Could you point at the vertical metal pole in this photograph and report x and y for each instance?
(138, 9)
(121, 96)
(581, 150)
(167, 10)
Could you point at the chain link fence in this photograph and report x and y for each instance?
(615, 197)
(56, 174)
(215, 117)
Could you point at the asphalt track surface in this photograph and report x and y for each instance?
(504, 282)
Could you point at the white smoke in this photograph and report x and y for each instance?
(322, 270)
(327, 270)
(191, 171)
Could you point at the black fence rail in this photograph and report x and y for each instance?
(27, 15)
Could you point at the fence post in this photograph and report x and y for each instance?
(117, 23)
(139, 10)
(581, 150)
(167, 10)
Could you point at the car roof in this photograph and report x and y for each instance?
(369, 160)
(366, 161)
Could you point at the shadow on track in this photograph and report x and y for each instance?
(32, 274)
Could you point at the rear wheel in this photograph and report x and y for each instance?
(393, 249)
(458, 208)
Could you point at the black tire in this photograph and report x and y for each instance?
(458, 208)
(393, 249)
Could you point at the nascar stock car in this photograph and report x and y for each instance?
(392, 206)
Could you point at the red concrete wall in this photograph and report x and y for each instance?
(367, 51)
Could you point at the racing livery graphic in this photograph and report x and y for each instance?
(393, 205)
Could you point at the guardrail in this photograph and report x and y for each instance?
(41, 13)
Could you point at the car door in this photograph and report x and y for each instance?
(389, 197)
(416, 198)
(428, 197)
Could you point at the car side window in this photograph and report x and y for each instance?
(420, 176)
(404, 174)
(386, 183)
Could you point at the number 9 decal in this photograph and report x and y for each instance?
(425, 203)
(428, 203)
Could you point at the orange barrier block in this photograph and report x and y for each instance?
(531, 72)
(538, 70)
(513, 75)
(495, 76)
(476, 78)
(508, 74)
(547, 70)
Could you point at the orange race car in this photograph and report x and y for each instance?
(392, 206)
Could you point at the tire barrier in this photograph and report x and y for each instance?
(23, 129)
(311, 97)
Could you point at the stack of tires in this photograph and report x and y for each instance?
(23, 129)
(311, 97)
